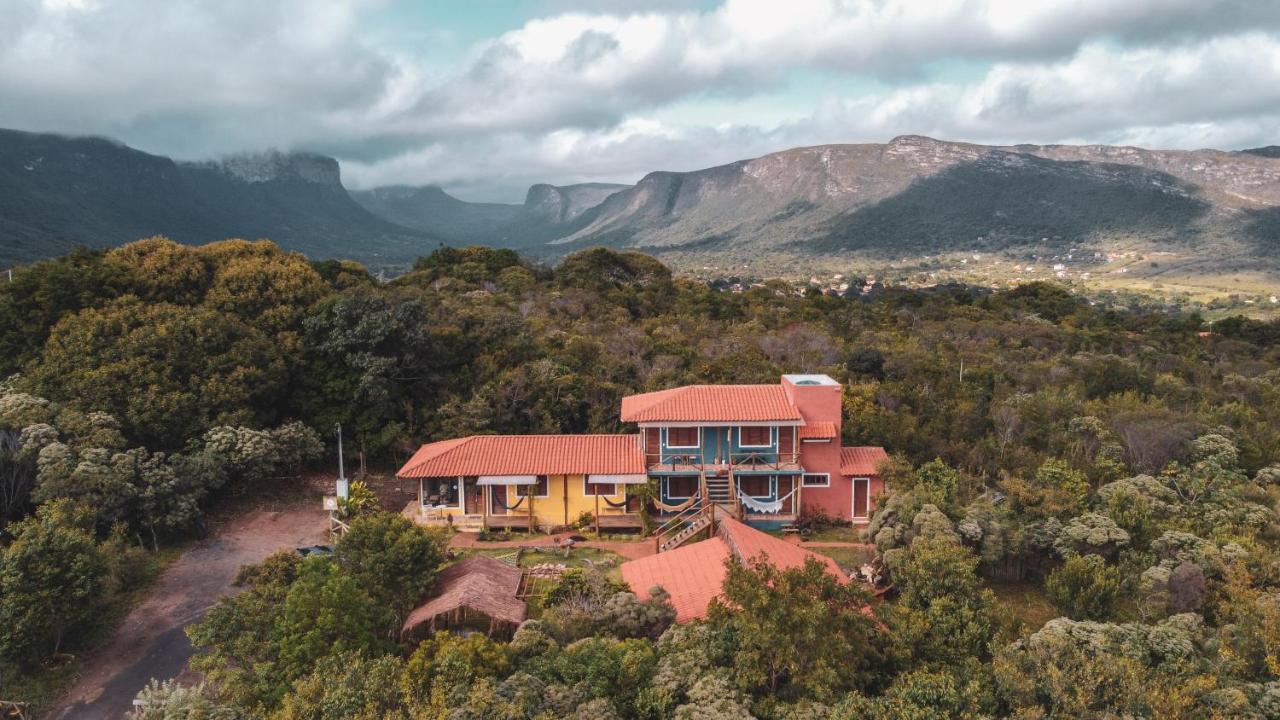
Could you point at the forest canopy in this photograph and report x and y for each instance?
(1122, 464)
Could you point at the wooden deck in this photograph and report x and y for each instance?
(630, 521)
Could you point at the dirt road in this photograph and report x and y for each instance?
(150, 642)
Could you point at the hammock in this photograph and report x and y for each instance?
(772, 508)
(674, 508)
(615, 505)
(507, 507)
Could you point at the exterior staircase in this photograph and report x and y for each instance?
(719, 490)
(683, 533)
(717, 500)
(688, 523)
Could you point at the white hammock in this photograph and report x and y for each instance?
(772, 508)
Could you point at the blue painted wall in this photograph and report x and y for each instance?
(720, 442)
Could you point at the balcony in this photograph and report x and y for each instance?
(767, 461)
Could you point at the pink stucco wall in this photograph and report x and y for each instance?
(822, 403)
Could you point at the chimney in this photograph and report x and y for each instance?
(817, 397)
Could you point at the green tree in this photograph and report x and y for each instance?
(943, 612)
(800, 631)
(449, 664)
(51, 581)
(1085, 587)
(239, 650)
(348, 686)
(392, 559)
(215, 369)
(325, 612)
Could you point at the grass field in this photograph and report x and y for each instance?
(846, 558)
(578, 557)
(842, 533)
(1024, 602)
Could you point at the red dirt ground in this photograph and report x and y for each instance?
(150, 642)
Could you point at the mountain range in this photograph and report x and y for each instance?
(909, 197)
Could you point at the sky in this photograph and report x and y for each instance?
(485, 97)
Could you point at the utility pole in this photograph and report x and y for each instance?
(342, 477)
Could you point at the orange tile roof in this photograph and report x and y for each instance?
(748, 543)
(693, 574)
(711, 403)
(818, 430)
(861, 460)
(527, 455)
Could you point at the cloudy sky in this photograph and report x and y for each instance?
(485, 97)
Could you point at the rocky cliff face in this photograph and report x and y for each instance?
(920, 193)
(273, 165)
(552, 204)
(1233, 179)
(912, 195)
(548, 212)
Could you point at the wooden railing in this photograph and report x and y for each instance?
(755, 460)
(683, 519)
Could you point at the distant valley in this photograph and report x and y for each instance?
(914, 203)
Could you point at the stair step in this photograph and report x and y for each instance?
(684, 534)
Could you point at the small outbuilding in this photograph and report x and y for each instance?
(477, 588)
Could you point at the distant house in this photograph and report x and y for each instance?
(758, 453)
(693, 575)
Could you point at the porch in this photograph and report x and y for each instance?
(532, 502)
(764, 498)
(696, 463)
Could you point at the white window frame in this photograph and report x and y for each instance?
(535, 497)
(666, 440)
(826, 480)
(666, 487)
(586, 485)
(773, 487)
(772, 439)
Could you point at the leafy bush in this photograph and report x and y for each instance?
(1084, 588)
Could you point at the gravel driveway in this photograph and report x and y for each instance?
(150, 642)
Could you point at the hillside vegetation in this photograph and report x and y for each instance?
(1120, 468)
(876, 207)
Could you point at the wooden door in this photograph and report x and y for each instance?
(861, 498)
(473, 496)
(786, 444)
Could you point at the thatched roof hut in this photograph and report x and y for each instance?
(478, 585)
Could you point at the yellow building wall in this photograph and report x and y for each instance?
(565, 501)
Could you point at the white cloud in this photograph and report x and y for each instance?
(574, 95)
(1222, 92)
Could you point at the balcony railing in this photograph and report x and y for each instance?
(741, 461)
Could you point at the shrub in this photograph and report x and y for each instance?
(1084, 588)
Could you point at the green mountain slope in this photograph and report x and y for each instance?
(58, 192)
